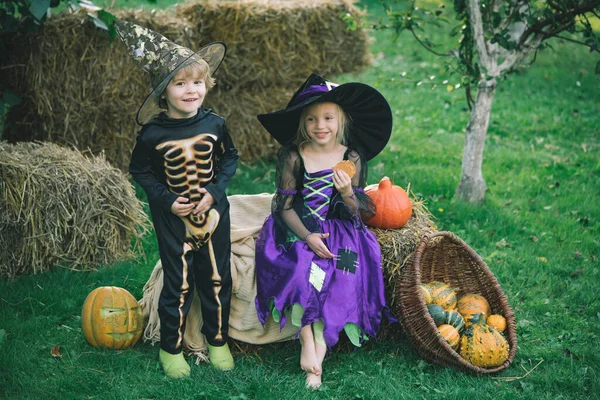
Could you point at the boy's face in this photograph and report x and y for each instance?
(184, 95)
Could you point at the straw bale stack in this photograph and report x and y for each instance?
(80, 90)
(274, 43)
(61, 208)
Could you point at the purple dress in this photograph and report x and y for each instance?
(346, 289)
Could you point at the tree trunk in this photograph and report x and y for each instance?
(472, 186)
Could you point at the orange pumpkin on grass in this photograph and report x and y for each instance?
(392, 203)
(112, 318)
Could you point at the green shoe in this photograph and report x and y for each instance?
(174, 365)
(220, 357)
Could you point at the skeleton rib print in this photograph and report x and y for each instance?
(189, 167)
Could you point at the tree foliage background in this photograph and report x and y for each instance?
(495, 39)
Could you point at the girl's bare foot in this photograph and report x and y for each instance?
(313, 381)
(308, 355)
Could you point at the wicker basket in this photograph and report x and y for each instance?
(442, 256)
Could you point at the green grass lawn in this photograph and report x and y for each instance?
(538, 230)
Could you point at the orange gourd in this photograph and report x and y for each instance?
(471, 305)
(392, 203)
(450, 334)
(497, 321)
(112, 318)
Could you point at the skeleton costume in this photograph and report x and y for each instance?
(177, 157)
(346, 292)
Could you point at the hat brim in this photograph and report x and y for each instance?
(369, 111)
(212, 53)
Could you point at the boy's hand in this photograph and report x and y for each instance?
(206, 203)
(182, 207)
(315, 242)
(342, 183)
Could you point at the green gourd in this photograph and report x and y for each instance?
(454, 319)
(437, 313)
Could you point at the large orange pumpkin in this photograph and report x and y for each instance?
(393, 205)
(111, 317)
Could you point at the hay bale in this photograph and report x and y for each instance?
(80, 90)
(278, 43)
(60, 208)
(398, 244)
(250, 138)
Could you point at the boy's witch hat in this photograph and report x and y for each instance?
(161, 59)
(369, 113)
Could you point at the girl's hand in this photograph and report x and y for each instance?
(182, 207)
(315, 242)
(206, 203)
(342, 183)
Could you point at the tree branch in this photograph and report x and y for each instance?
(510, 60)
(478, 37)
(571, 40)
(559, 18)
(429, 48)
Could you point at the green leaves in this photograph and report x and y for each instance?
(28, 15)
(351, 22)
(7, 100)
(39, 8)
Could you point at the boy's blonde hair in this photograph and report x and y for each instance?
(343, 125)
(197, 69)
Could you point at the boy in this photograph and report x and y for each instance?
(184, 159)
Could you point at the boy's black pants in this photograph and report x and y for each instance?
(186, 268)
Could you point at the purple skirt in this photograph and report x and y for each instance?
(346, 289)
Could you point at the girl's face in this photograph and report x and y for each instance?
(322, 122)
(184, 95)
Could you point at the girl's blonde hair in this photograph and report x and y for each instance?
(197, 69)
(343, 125)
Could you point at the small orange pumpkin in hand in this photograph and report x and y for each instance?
(392, 203)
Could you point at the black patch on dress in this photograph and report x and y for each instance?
(346, 260)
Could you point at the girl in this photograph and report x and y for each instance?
(316, 263)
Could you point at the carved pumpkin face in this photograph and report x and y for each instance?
(111, 317)
(392, 203)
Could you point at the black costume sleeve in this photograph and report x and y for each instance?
(140, 169)
(365, 204)
(226, 165)
(287, 202)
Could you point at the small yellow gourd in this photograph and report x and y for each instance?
(427, 294)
